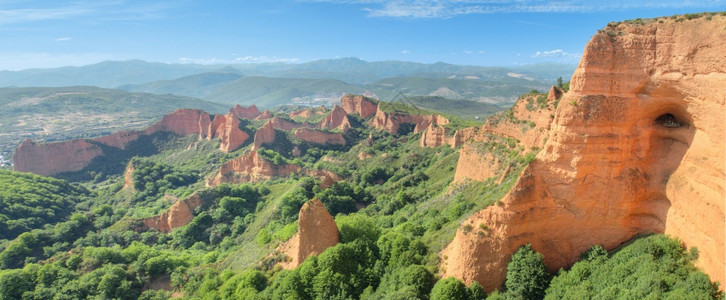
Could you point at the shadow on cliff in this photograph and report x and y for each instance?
(667, 138)
(114, 160)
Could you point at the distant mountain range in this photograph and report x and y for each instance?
(316, 82)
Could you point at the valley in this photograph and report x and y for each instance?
(347, 179)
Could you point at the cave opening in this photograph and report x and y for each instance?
(669, 121)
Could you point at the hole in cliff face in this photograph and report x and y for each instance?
(668, 121)
(666, 134)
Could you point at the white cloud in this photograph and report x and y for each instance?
(113, 10)
(558, 55)
(63, 39)
(238, 60)
(452, 8)
(405, 52)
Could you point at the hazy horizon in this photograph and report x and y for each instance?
(49, 34)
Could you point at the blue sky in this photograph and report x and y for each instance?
(36, 34)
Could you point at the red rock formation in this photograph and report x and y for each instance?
(128, 177)
(554, 94)
(287, 125)
(463, 135)
(475, 164)
(250, 168)
(183, 122)
(119, 140)
(264, 115)
(308, 112)
(226, 127)
(319, 137)
(316, 232)
(245, 113)
(393, 120)
(435, 136)
(264, 135)
(52, 158)
(179, 214)
(637, 146)
(337, 119)
(361, 105)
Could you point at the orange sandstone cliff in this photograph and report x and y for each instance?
(250, 167)
(319, 137)
(361, 105)
(54, 158)
(636, 146)
(245, 113)
(391, 121)
(179, 214)
(316, 232)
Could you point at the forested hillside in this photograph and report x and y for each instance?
(168, 228)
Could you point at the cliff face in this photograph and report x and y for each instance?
(250, 168)
(319, 137)
(179, 214)
(245, 113)
(636, 146)
(226, 127)
(392, 121)
(316, 232)
(337, 119)
(264, 135)
(361, 105)
(53, 158)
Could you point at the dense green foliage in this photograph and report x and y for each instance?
(527, 275)
(653, 267)
(395, 210)
(29, 201)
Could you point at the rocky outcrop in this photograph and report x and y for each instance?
(287, 125)
(245, 113)
(319, 137)
(337, 119)
(183, 122)
(392, 121)
(128, 177)
(361, 105)
(179, 214)
(264, 115)
(464, 135)
(317, 231)
(554, 94)
(308, 112)
(119, 140)
(226, 127)
(636, 146)
(250, 167)
(264, 135)
(476, 164)
(52, 158)
(435, 136)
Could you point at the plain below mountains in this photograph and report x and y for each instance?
(54, 114)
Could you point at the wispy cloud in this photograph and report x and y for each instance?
(405, 52)
(238, 60)
(63, 39)
(557, 54)
(452, 8)
(23, 12)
